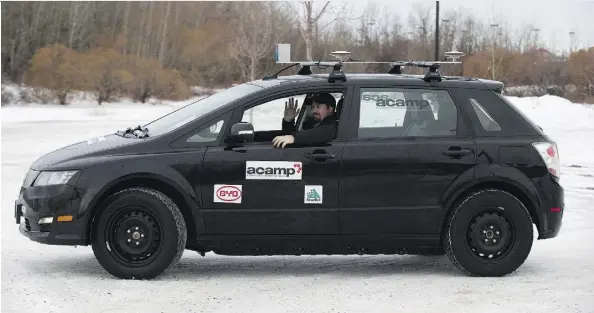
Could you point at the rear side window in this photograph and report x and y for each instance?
(492, 116)
(487, 122)
(403, 112)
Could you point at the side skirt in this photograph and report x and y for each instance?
(256, 245)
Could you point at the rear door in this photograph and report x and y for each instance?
(407, 148)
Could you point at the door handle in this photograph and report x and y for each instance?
(456, 152)
(324, 156)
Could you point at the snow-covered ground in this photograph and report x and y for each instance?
(557, 277)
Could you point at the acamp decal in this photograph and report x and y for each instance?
(273, 170)
(383, 101)
(391, 103)
(227, 193)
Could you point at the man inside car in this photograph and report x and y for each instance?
(323, 108)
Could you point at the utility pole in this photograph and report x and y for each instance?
(437, 30)
(493, 42)
(571, 34)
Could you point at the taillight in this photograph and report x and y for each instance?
(550, 155)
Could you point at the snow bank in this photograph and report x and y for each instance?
(89, 110)
(119, 112)
(570, 125)
(36, 105)
(555, 113)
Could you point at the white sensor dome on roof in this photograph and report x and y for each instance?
(341, 55)
(454, 55)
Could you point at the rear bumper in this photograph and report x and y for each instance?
(552, 209)
(43, 202)
(551, 233)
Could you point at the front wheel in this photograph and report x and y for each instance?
(489, 234)
(139, 234)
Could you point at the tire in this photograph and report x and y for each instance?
(468, 231)
(117, 240)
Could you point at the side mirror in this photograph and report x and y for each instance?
(240, 133)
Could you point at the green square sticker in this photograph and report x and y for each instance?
(313, 194)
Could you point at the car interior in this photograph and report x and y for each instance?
(439, 119)
(304, 119)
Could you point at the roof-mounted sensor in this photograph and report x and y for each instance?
(283, 56)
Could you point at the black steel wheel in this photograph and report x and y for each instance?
(138, 234)
(489, 233)
(134, 236)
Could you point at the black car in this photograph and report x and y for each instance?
(421, 164)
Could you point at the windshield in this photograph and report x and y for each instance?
(199, 108)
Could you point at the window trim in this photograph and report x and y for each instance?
(461, 128)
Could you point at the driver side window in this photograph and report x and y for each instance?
(268, 121)
(268, 116)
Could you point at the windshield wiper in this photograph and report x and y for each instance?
(129, 132)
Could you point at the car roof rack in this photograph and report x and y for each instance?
(432, 74)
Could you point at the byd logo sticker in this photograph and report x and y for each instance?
(228, 193)
(273, 170)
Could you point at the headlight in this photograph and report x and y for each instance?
(30, 178)
(54, 178)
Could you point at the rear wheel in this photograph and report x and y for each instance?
(139, 234)
(489, 234)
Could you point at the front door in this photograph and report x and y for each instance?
(407, 150)
(258, 189)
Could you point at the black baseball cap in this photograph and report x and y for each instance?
(325, 98)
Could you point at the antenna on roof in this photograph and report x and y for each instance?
(432, 73)
(341, 55)
(454, 55)
(283, 56)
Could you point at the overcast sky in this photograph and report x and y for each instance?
(554, 18)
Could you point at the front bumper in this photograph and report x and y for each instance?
(59, 202)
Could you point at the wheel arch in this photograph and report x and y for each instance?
(494, 183)
(147, 180)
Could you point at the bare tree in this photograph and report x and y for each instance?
(449, 27)
(251, 41)
(79, 14)
(125, 27)
(164, 35)
(522, 38)
(216, 44)
(420, 22)
(309, 19)
(308, 23)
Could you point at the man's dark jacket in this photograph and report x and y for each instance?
(324, 132)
